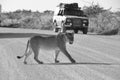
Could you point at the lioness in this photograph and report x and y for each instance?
(56, 42)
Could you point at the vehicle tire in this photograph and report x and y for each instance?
(55, 23)
(85, 30)
(75, 31)
(56, 29)
(63, 29)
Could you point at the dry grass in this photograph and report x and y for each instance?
(105, 23)
(28, 19)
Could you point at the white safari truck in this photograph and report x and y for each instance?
(70, 17)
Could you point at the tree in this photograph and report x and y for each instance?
(93, 10)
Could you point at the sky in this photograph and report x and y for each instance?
(42, 5)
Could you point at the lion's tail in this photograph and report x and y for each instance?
(19, 57)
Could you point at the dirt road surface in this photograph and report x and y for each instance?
(98, 58)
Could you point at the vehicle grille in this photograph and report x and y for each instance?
(76, 22)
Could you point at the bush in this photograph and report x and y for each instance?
(93, 10)
(28, 19)
(105, 21)
(100, 21)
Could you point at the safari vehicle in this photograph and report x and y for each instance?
(70, 17)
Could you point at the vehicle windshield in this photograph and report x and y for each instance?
(73, 12)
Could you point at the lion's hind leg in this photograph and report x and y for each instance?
(56, 55)
(27, 54)
(37, 60)
(36, 53)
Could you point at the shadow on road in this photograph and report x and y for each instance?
(20, 35)
(81, 63)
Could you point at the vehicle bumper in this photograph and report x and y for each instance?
(74, 27)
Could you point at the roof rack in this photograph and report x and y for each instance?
(68, 6)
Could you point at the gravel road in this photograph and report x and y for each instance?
(98, 58)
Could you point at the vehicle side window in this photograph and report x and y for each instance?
(60, 12)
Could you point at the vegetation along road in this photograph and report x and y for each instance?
(98, 58)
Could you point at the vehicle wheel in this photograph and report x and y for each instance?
(63, 29)
(55, 23)
(56, 29)
(76, 31)
(85, 30)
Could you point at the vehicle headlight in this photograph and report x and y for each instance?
(68, 20)
(85, 21)
(84, 25)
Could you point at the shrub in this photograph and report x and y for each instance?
(28, 19)
(103, 22)
(100, 21)
(93, 10)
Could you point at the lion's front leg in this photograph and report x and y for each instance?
(68, 55)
